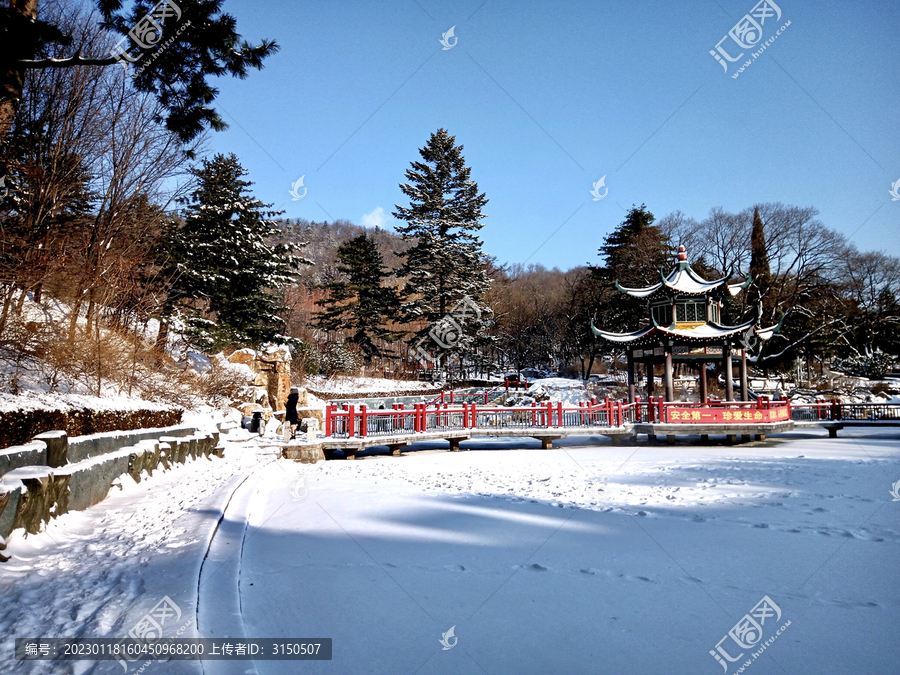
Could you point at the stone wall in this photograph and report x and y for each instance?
(31, 495)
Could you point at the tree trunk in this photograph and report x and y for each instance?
(73, 318)
(90, 311)
(9, 292)
(11, 78)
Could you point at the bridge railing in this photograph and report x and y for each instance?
(837, 411)
(454, 397)
(350, 422)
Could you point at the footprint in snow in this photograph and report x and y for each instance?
(535, 567)
(761, 526)
(454, 568)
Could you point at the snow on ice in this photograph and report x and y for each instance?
(581, 559)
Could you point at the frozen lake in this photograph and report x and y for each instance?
(581, 559)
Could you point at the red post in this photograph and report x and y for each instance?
(362, 421)
(465, 415)
(609, 411)
(560, 421)
(485, 397)
(451, 396)
(651, 409)
(637, 407)
(549, 414)
(350, 422)
(533, 414)
(662, 409)
(328, 420)
(474, 416)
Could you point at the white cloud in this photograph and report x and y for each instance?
(376, 218)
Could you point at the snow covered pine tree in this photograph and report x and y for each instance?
(445, 266)
(224, 269)
(361, 304)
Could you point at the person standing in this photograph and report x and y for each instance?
(290, 414)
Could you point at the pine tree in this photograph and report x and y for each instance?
(362, 304)
(222, 263)
(634, 253)
(445, 265)
(202, 43)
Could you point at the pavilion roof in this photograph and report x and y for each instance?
(707, 333)
(683, 280)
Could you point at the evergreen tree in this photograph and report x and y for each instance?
(361, 304)
(445, 265)
(222, 263)
(204, 43)
(634, 253)
(759, 258)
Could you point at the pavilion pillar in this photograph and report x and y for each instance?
(670, 383)
(745, 379)
(729, 375)
(631, 376)
(704, 394)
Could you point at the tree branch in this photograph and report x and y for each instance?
(68, 62)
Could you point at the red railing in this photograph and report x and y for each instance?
(453, 397)
(350, 422)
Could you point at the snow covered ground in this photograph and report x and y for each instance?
(346, 385)
(581, 559)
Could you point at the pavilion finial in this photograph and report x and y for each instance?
(682, 254)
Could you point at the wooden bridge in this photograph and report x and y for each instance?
(352, 429)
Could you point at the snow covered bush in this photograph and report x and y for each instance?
(874, 366)
(339, 359)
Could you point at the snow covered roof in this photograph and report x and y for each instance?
(701, 334)
(685, 281)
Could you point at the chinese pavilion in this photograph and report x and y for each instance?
(685, 312)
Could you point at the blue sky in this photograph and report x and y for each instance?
(548, 97)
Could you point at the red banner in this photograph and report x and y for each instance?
(726, 415)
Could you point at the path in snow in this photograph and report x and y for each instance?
(95, 573)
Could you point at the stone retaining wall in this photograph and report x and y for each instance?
(31, 495)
